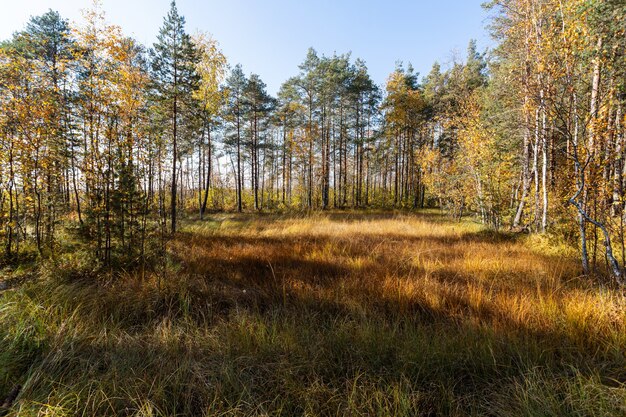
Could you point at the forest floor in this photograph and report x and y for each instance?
(333, 314)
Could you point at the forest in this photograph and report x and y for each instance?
(175, 240)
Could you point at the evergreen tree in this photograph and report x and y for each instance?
(173, 58)
(309, 87)
(235, 112)
(46, 41)
(259, 104)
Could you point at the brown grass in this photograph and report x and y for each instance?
(330, 314)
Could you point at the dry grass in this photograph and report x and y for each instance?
(331, 314)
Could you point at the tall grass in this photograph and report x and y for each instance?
(349, 314)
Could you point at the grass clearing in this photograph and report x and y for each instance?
(351, 314)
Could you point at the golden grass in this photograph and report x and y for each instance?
(454, 270)
(328, 314)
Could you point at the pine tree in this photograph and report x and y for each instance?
(235, 85)
(258, 106)
(173, 58)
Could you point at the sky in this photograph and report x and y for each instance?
(271, 37)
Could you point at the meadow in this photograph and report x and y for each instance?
(327, 314)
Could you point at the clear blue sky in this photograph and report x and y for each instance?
(271, 37)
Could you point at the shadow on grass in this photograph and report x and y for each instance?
(291, 324)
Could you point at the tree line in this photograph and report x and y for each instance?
(105, 138)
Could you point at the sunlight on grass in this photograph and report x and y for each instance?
(337, 314)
